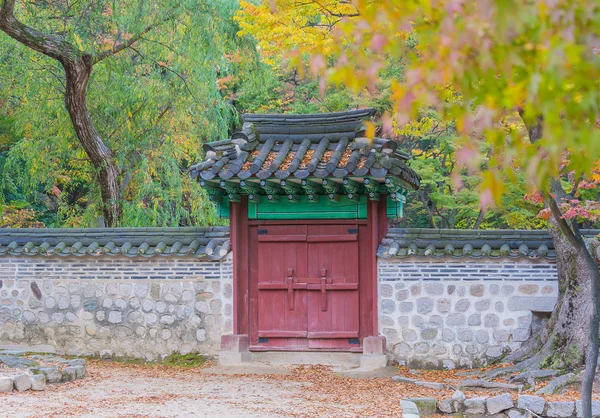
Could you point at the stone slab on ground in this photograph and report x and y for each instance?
(416, 382)
(22, 382)
(475, 406)
(446, 406)
(38, 382)
(499, 403)
(6, 384)
(531, 403)
(560, 409)
(23, 370)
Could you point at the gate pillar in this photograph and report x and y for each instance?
(373, 356)
(234, 349)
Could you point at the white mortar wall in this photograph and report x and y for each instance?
(449, 313)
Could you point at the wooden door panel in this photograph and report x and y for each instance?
(332, 323)
(281, 307)
(306, 279)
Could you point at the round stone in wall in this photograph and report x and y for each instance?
(171, 298)
(494, 289)
(120, 303)
(415, 289)
(474, 320)
(429, 333)
(434, 288)
(134, 303)
(494, 351)
(402, 294)
(462, 305)
(406, 307)
(491, 320)
(115, 317)
(418, 321)
(455, 319)
(141, 290)
(388, 306)
(448, 335)
(409, 335)
(187, 296)
(161, 307)
(482, 305)
(28, 317)
(386, 321)
(402, 350)
(465, 335)
(444, 305)
(476, 290)
(165, 334)
(421, 348)
(125, 289)
(202, 306)
(435, 321)
(439, 349)
(471, 349)
(50, 302)
(386, 290)
(424, 305)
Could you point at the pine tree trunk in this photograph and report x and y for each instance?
(78, 70)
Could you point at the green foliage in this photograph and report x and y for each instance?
(185, 83)
(154, 105)
(184, 360)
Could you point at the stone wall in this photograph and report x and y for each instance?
(116, 306)
(449, 313)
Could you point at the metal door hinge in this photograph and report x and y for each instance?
(353, 230)
(263, 232)
(262, 340)
(354, 341)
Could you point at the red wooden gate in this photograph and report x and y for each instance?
(307, 283)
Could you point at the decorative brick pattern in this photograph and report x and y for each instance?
(449, 314)
(116, 306)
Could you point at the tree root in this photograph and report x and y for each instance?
(529, 364)
(534, 374)
(488, 385)
(557, 383)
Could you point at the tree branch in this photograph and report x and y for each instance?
(116, 48)
(50, 45)
(572, 235)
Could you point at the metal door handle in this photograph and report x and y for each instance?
(290, 289)
(323, 289)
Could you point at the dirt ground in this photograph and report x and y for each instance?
(252, 390)
(130, 391)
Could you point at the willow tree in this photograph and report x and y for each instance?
(139, 83)
(537, 62)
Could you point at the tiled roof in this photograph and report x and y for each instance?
(454, 243)
(212, 243)
(204, 242)
(298, 147)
